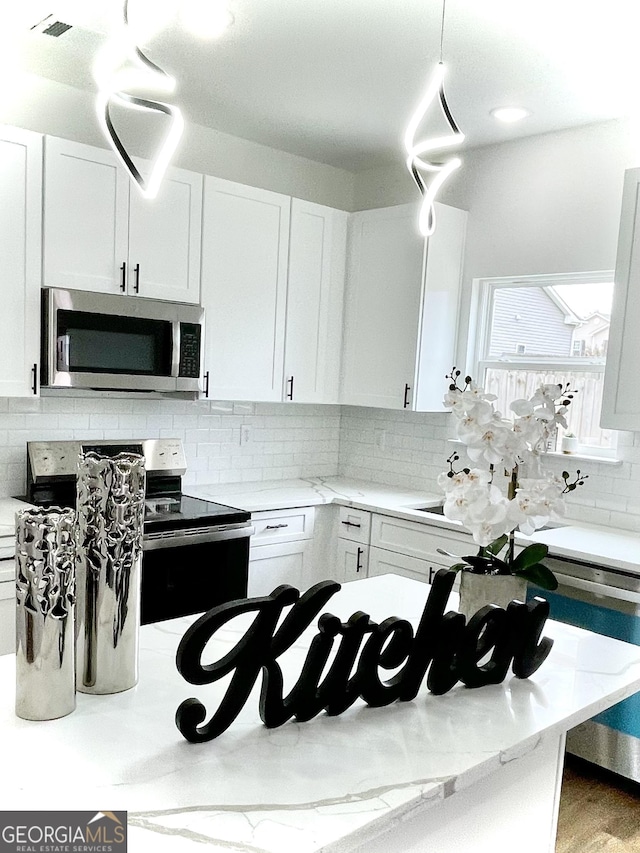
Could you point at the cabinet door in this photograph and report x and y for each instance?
(383, 293)
(272, 565)
(20, 234)
(383, 562)
(244, 284)
(164, 239)
(86, 201)
(352, 561)
(315, 292)
(621, 395)
(439, 311)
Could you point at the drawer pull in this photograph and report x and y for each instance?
(358, 556)
(351, 524)
(275, 526)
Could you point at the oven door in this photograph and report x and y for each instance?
(606, 602)
(190, 571)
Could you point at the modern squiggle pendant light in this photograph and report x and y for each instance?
(115, 88)
(416, 162)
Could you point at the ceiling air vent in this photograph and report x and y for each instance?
(49, 26)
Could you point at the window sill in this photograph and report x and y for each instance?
(601, 460)
(556, 454)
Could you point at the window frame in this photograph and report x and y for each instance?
(483, 290)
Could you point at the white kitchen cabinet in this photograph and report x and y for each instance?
(401, 307)
(352, 561)
(7, 616)
(20, 264)
(621, 394)
(244, 289)
(382, 562)
(272, 565)
(419, 540)
(272, 290)
(281, 550)
(315, 292)
(101, 235)
(354, 524)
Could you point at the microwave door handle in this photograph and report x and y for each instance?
(175, 357)
(62, 350)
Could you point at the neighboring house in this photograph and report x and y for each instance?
(531, 321)
(591, 337)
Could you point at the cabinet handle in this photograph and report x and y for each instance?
(34, 384)
(359, 554)
(275, 526)
(206, 384)
(123, 279)
(407, 388)
(136, 281)
(351, 524)
(289, 394)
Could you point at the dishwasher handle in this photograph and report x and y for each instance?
(599, 589)
(195, 536)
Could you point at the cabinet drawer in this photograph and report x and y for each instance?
(354, 524)
(383, 562)
(282, 525)
(418, 540)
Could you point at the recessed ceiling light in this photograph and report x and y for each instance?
(510, 114)
(206, 18)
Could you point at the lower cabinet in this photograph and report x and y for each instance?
(409, 548)
(272, 565)
(7, 616)
(383, 562)
(281, 550)
(352, 561)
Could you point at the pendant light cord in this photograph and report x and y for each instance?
(444, 6)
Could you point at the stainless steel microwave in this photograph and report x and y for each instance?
(98, 340)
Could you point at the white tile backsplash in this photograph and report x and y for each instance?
(395, 448)
(285, 440)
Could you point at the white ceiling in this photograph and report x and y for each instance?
(336, 80)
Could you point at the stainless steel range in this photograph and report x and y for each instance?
(195, 552)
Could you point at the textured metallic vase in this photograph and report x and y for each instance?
(45, 594)
(110, 515)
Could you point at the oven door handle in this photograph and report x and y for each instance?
(599, 589)
(177, 539)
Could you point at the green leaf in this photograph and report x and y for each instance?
(539, 575)
(530, 555)
(497, 545)
(458, 567)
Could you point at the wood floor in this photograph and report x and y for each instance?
(599, 811)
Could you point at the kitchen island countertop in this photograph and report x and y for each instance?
(468, 761)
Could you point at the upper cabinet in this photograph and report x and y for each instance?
(401, 307)
(272, 279)
(315, 292)
(20, 267)
(621, 395)
(101, 235)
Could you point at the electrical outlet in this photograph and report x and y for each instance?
(245, 434)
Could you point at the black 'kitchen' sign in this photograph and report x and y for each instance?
(444, 648)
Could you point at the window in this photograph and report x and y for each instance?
(548, 329)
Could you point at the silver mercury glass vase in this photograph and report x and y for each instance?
(110, 515)
(45, 574)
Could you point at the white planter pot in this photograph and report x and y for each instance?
(569, 444)
(478, 590)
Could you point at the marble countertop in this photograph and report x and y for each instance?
(618, 549)
(327, 785)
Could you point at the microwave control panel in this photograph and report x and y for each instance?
(189, 350)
